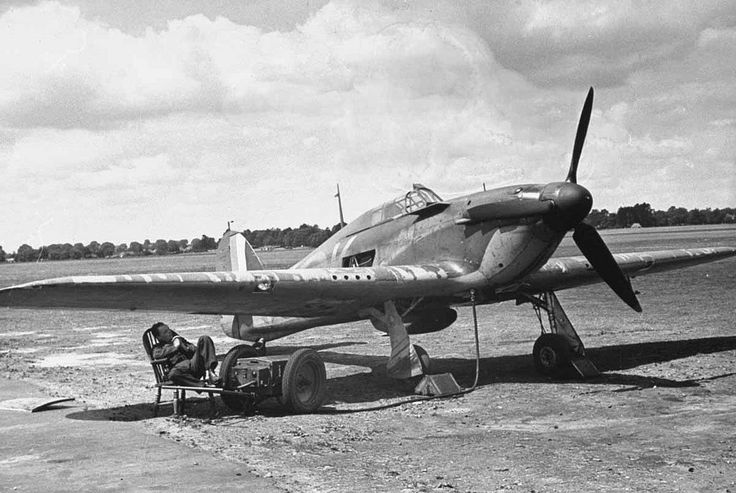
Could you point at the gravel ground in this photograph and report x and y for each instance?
(660, 418)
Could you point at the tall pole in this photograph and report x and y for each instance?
(339, 204)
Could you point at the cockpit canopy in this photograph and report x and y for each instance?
(414, 200)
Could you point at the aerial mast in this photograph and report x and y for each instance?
(339, 205)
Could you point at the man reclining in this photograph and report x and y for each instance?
(189, 363)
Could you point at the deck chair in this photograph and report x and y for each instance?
(161, 368)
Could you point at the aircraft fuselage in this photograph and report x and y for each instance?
(488, 232)
(498, 236)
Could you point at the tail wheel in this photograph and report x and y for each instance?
(551, 355)
(229, 382)
(304, 386)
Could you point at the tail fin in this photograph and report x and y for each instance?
(234, 253)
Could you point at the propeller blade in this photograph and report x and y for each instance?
(577, 149)
(509, 209)
(595, 250)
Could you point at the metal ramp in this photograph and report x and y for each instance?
(585, 367)
(437, 385)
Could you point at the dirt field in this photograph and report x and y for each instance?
(662, 417)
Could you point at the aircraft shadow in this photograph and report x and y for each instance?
(375, 385)
(287, 350)
(197, 405)
(520, 368)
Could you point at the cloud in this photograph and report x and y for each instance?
(573, 43)
(204, 117)
(68, 72)
(65, 71)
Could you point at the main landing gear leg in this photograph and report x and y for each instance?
(407, 360)
(555, 351)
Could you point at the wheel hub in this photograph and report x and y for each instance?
(548, 357)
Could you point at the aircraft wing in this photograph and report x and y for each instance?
(322, 292)
(569, 272)
(293, 292)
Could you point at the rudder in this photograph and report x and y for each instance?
(235, 253)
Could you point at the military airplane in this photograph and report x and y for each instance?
(402, 265)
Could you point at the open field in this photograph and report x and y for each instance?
(663, 416)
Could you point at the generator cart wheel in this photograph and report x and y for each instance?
(303, 386)
(229, 382)
(552, 355)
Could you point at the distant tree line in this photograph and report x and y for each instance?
(67, 251)
(313, 236)
(645, 216)
(304, 235)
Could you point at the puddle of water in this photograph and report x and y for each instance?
(25, 350)
(202, 328)
(93, 327)
(18, 459)
(92, 359)
(106, 335)
(226, 340)
(93, 345)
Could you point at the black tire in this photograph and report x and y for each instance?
(424, 359)
(304, 384)
(229, 382)
(552, 355)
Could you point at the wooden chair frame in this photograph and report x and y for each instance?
(161, 368)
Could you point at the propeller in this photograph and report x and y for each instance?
(595, 250)
(573, 203)
(577, 149)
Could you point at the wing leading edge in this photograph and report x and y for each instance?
(337, 293)
(293, 292)
(570, 272)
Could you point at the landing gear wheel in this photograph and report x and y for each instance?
(303, 386)
(424, 358)
(552, 355)
(229, 382)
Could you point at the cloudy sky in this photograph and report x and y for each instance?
(132, 119)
